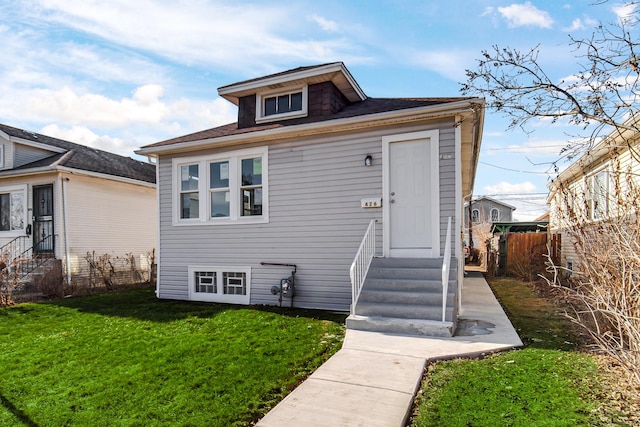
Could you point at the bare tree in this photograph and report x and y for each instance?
(599, 97)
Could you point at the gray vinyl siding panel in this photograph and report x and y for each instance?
(315, 219)
(24, 154)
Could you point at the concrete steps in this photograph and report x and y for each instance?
(404, 296)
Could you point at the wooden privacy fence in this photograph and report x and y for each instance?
(522, 254)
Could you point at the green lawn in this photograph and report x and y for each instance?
(547, 383)
(128, 359)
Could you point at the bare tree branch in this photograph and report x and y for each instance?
(599, 96)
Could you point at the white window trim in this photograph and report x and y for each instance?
(235, 217)
(261, 118)
(1, 156)
(590, 192)
(15, 189)
(475, 220)
(219, 296)
(497, 214)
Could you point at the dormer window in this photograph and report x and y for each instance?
(281, 105)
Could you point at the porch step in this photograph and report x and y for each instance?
(394, 296)
(390, 325)
(403, 311)
(404, 296)
(404, 285)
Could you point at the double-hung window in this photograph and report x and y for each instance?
(251, 186)
(475, 216)
(599, 195)
(13, 208)
(222, 189)
(219, 190)
(189, 195)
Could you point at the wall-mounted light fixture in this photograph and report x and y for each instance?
(368, 161)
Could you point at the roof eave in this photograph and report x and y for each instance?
(328, 126)
(58, 169)
(232, 93)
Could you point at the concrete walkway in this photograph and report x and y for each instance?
(373, 379)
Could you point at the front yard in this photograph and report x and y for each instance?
(552, 381)
(129, 359)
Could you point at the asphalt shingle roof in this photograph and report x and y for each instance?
(368, 106)
(84, 158)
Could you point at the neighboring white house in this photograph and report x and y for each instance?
(64, 200)
(297, 180)
(601, 185)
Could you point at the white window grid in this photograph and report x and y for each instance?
(224, 284)
(235, 191)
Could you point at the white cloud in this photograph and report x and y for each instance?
(488, 11)
(69, 106)
(525, 14)
(581, 24)
(510, 188)
(84, 136)
(448, 63)
(226, 34)
(624, 12)
(325, 24)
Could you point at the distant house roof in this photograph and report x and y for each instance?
(489, 199)
(80, 157)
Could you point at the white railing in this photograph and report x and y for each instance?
(361, 262)
(446, 266)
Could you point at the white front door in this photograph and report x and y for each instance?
(412, 194)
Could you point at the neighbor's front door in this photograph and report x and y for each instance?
(43, 239)
(413, 196)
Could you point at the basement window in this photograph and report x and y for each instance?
(281, 105)
(219, 284)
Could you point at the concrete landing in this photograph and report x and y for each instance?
(373, 379)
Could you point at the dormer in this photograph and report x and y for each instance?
(20, 147)
(305, 94)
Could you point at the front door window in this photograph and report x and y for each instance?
(43, 219)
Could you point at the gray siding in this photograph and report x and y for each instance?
(7, 154)
(24, 154)
(315, 218)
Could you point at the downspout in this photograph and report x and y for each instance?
(64, 225)
(459, 207)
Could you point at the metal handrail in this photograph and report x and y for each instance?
(28, 253)
(446, 267)
(14, 248)
(361, 262)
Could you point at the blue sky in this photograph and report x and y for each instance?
(121, 74)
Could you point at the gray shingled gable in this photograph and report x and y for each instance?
(84, 158)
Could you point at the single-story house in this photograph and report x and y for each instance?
(64, 200)
(273, 209)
